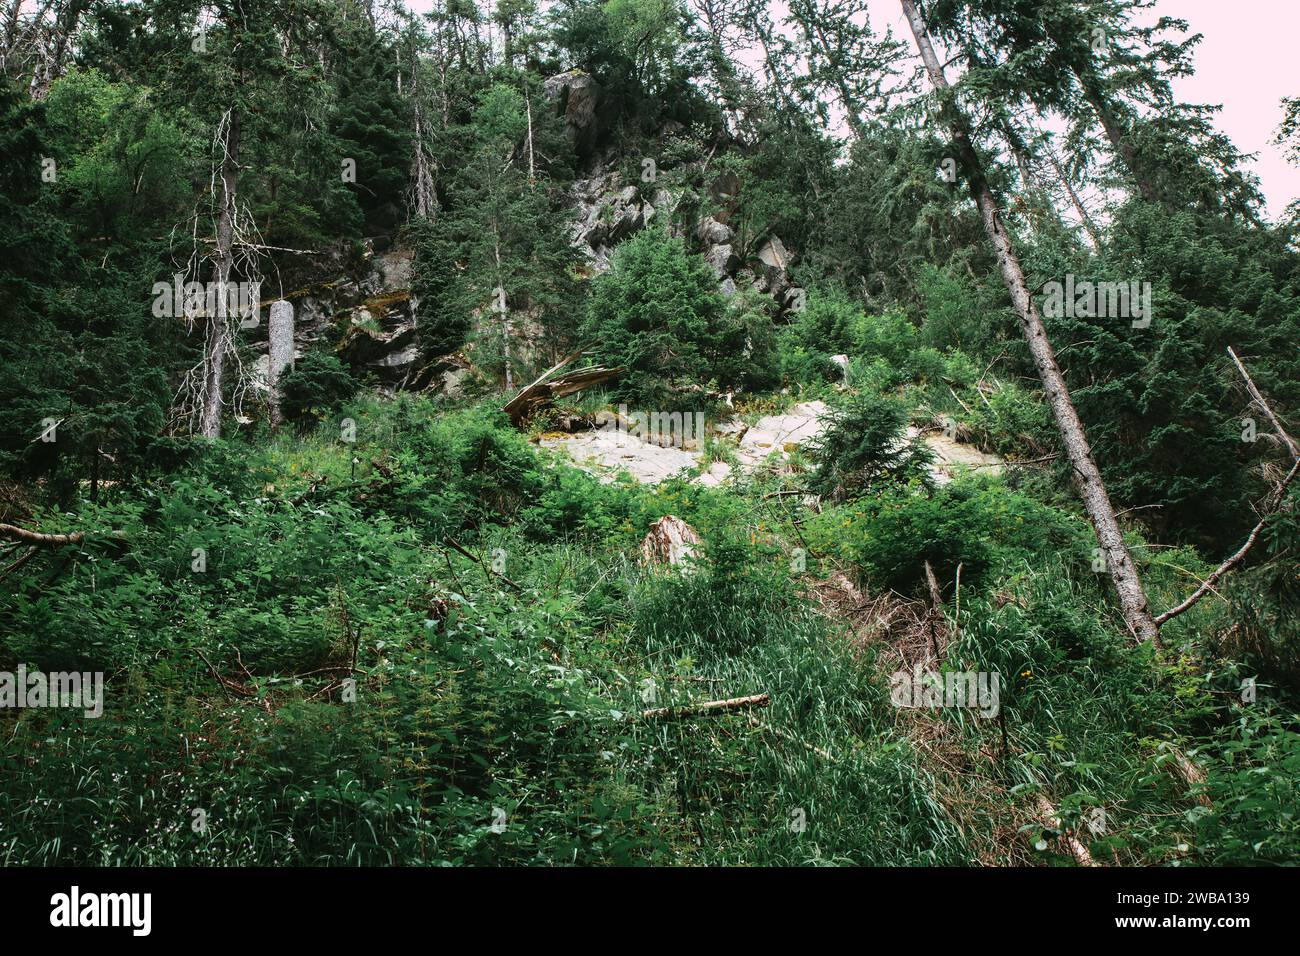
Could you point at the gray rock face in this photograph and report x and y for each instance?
(367, 314)
(393, 269)
(772, 261)
(607, 210)
(381, 337)
(363, 345)
(577, 96)
(725, 188)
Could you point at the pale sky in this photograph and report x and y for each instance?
(1244, 63)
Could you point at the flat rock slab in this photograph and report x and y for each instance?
(952, 457)
(781, 433)
(605, 452)
(715, 474)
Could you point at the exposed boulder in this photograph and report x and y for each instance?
(712, 232)
(365, 346)
(607, 211)
(381, 337)
(723, 260)
(392, 269)
(450, 376)
(715, 474)
(770, 266)
(725, 189)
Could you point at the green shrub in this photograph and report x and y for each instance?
(658, 314)
(865, 444)
(315, 387)
(1252, 787)
(889, 535)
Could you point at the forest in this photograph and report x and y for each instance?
(641, 433)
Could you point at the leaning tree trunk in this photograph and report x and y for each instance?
(1092, 92)
(218, 325)
(1085, 218)
(1123, 572)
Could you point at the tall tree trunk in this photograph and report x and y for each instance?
(1096, 98)
(528, 109)
(218, 325)
(500, 295)
(1123, 572)
(1085, 218)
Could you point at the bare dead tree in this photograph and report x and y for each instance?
(219, 335)
(236, 249)
(424, 197)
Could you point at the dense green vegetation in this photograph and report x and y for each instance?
(398, 630)
(472, 697)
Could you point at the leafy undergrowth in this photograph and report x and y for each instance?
(434, 646)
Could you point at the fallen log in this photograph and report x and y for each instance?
(1072, 843)
(708, 707)
(40, 539)
(1264, 406)
(546, 389)
(27, 556)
